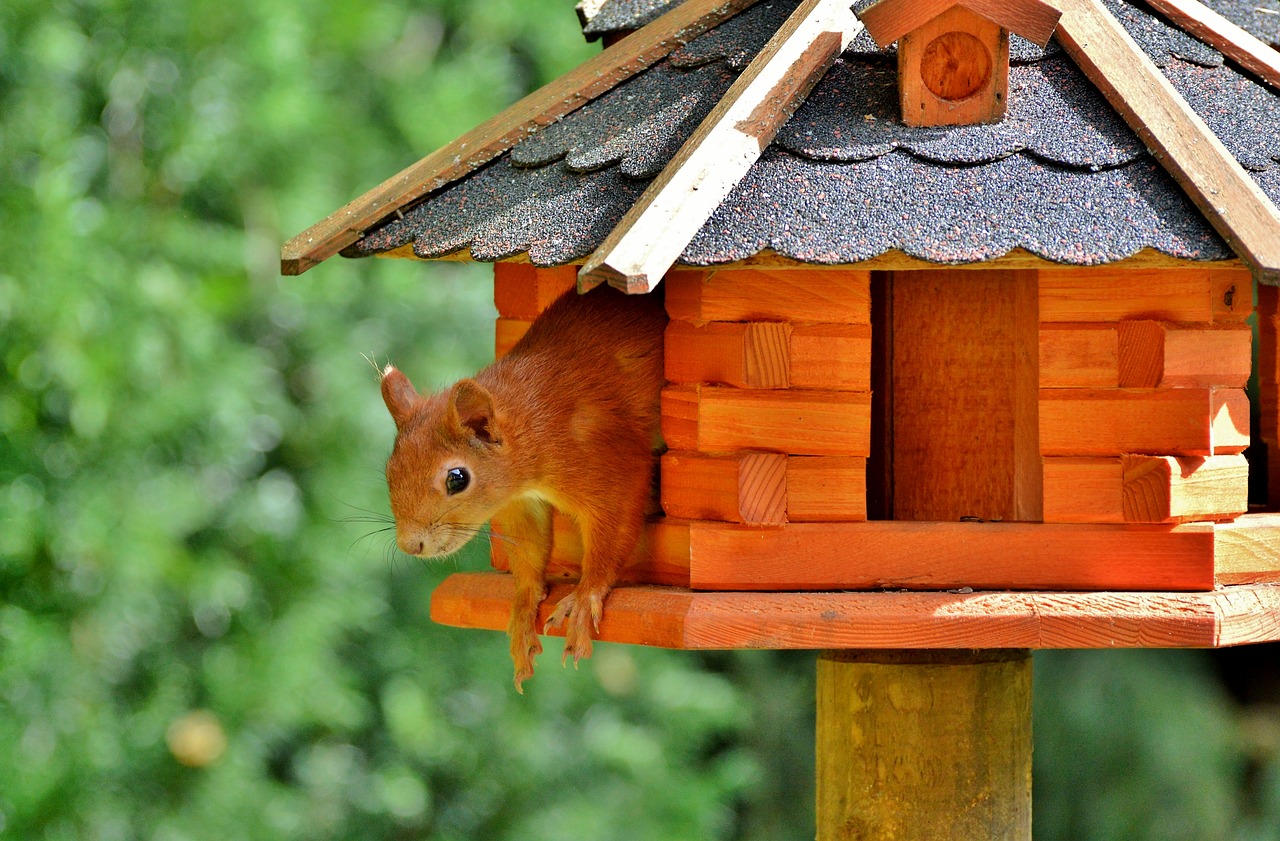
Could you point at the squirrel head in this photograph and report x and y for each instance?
(449, 469)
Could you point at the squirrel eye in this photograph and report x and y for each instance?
(456, 480)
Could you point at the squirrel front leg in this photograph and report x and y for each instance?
(607, 542)
(524, 529)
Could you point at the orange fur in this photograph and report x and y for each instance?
(567, 419)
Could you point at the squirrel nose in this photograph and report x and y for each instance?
(411, 544)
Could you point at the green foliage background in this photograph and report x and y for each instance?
(192, 447)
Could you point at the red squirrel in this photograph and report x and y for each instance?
(568, 419)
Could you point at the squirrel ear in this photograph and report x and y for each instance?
(473, 412)
(399, 395)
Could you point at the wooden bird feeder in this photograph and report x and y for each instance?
(923, 470)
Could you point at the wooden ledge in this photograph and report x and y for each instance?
(671, 617)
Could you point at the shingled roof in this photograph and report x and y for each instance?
(1062, 176)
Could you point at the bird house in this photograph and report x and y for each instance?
(930, 390)
(953, 58)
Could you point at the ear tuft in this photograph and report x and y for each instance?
(399, 395)
(473, 411)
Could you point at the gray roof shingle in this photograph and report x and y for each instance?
(1061, 176)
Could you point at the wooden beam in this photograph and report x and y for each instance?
(523, 291)
(723, 419)
(658, 227)
(1211, 177)
(840, 296)
(1237, 44)
(896, 761)
(1165, 421)
(669, 617)
(588, 81)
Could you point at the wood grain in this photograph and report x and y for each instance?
(953, 70)
(744, 354)
(961, 767)
(1083, 490)
(964, 360)
(670, 617)
(662, 556)
(826, 489)
(842, 297)
(831, 356)
(1164, 489)
(714, 419)
(938, 556)
(1237, 44)
(742, 488)
(653, 233)
(593, 78)
(1181, 141)
(1112, 422)
(1113, 294)
(1269, 387)
(1079, 356)
(506, 332)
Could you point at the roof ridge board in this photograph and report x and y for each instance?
(1179, 138)
(1224, 35)
(499, 133)
(650, 237)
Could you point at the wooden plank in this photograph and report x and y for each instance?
(1211, 177)
(832, 356)
(1112, 422)
(826, 489)
(965, 396)
(524, 291)
(748, 355)
(939, 556)
(969, 756)
(1164, 489)
(1236, 43)
(1232, 290)
(1083, 490)
(1248, 550)
(1079, 356)
(836, 296)
(669, 617)
(1140, 353)
(673, 208)
(593, 78)
(715, 419)
(1145, 489)
(743, 488)
(1269, 387)
(1113, 294)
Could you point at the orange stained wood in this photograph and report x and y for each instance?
(1238, 44)
(1269, 386)
(763, 488)
(743, 488)
(1167, 421)
(964, 384)
(523, 291)
(953, 70)
(1105, 294)
(715, 419)
(1145, 489)
(1010, 556)
(1145, 354)
(506, 332)
(889, 20)
(677, 618)
(841, 296)
(770, 354)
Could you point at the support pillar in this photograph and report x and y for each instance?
(924, 745)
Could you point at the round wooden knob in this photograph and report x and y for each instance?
(955, 65)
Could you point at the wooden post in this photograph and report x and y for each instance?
(924, 745)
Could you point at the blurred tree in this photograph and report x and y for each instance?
(204, 631)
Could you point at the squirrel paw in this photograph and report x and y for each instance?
(525, 646)
(578, 623)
